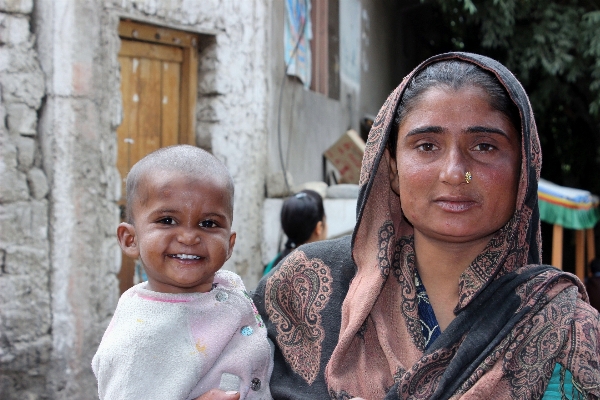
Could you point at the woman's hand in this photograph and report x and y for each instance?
(216, 394)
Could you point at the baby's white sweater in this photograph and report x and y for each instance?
(178, 346)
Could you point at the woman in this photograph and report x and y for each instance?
(303, 221)
(440, 292)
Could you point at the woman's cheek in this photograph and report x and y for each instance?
(408, 210)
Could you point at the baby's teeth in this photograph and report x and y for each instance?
(187, 256)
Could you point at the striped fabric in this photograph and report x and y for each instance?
(568, 207)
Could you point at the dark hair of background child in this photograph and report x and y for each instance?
(300, 215)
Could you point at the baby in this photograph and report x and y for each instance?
(191, 327)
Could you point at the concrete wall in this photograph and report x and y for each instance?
(77, 130)
(311, 122)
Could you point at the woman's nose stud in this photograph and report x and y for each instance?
(468, 177)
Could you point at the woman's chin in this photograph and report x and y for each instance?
(457, 235)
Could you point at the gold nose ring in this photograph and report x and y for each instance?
(468, 177)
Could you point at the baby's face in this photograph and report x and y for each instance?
(182, 230)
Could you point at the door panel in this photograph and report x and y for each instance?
(151, 91)
(149, 126)
(170, 103)
(150, 88)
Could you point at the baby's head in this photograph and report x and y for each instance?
(179, 214)
(180, 159)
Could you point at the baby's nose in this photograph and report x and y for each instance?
(188, 236)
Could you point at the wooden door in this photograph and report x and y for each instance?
(150, 85)
(158, 103)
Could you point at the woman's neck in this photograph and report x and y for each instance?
(440, 265)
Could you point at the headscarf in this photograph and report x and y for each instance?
(514, 318)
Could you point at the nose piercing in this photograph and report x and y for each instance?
(468, 177)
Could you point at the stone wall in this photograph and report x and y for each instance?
(60, 107)
(25, 311)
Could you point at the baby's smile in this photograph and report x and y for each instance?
(185, 256)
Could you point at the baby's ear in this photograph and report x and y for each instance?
(232, 237)
(128, 240)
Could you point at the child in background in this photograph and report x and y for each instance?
(191, 327)
(303, 221)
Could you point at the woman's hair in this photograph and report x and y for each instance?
(453, 74)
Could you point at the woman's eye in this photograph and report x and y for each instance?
(484, 147)
(208, 224)
(426, 147)
(167, 221)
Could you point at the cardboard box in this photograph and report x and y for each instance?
(346, 156)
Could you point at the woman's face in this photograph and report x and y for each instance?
(447, 134)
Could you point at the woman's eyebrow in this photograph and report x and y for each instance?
(425, 129)
(471, 129)
(485, 129)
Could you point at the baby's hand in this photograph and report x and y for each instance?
(216, 394)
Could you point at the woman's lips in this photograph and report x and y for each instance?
(455, 204)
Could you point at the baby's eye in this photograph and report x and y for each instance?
(167, 221)
(209, 223)
(426, 147)
(484, 147)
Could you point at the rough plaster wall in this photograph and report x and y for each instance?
(79, 155)
(78, 44)
(310, 121)
(25, 318)
(232, 110)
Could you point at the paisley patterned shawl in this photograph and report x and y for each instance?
(515, 318)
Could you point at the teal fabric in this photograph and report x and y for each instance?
(270, 265)
(567, 217)
(558, 391)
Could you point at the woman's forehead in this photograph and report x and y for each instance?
(468, 94)
(468, 90)
(439, 104)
